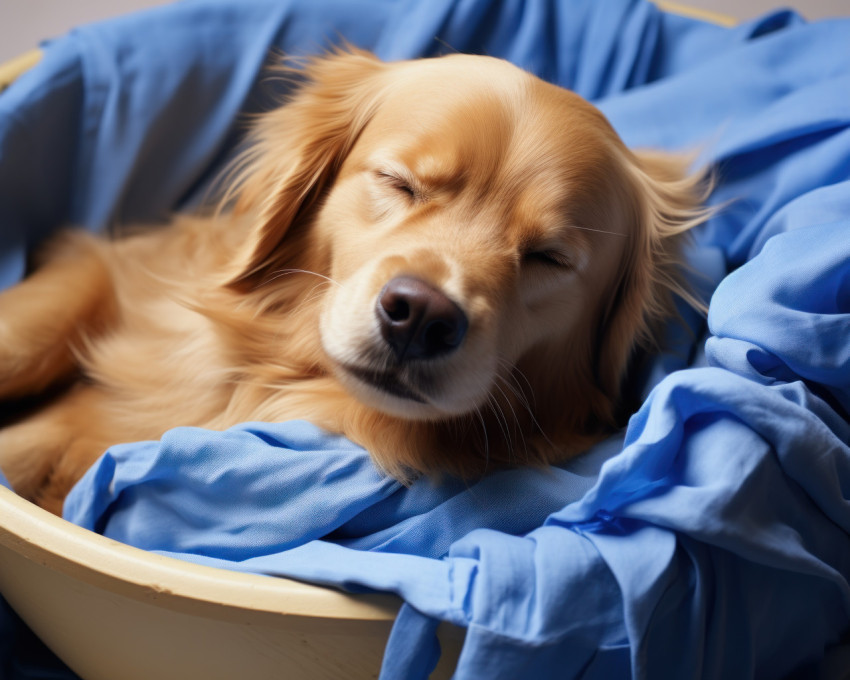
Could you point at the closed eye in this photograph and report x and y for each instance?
(399, 184)
(549, 258)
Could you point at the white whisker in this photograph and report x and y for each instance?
(501, 419)
(522, 399)
(486, 438)
(513, 372)
(600, 231)
(284, 272)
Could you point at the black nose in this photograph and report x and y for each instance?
(417, 320)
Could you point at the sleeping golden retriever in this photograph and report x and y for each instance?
(448, 260)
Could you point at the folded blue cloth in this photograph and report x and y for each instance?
(709, 540)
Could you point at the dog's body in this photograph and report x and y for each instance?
(448, 261)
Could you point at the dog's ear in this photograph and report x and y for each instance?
(294, 152)
(666, 201)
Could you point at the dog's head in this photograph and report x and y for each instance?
(493, 245)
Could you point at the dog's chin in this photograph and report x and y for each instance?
(389, 392)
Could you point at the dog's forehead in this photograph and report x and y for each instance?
(456, 100)
(471, 111)
(477, 93)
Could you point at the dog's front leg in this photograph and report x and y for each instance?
(45, 317)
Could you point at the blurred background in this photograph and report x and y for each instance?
(23, 23)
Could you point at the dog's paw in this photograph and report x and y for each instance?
(29, 365)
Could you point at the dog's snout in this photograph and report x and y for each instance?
(417, 320)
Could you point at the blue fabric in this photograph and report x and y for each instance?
(710, 540)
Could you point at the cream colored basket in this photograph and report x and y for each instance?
(113, 612)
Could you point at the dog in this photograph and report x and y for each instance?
(449, 261)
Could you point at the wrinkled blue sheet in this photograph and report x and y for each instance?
(710, 540)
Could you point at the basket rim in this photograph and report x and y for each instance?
(60, 546)
(14, 68)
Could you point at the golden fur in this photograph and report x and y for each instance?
(512, 197)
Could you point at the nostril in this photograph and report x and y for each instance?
(443, 335)
(397, 309)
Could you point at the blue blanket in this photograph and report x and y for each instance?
(709, 540)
